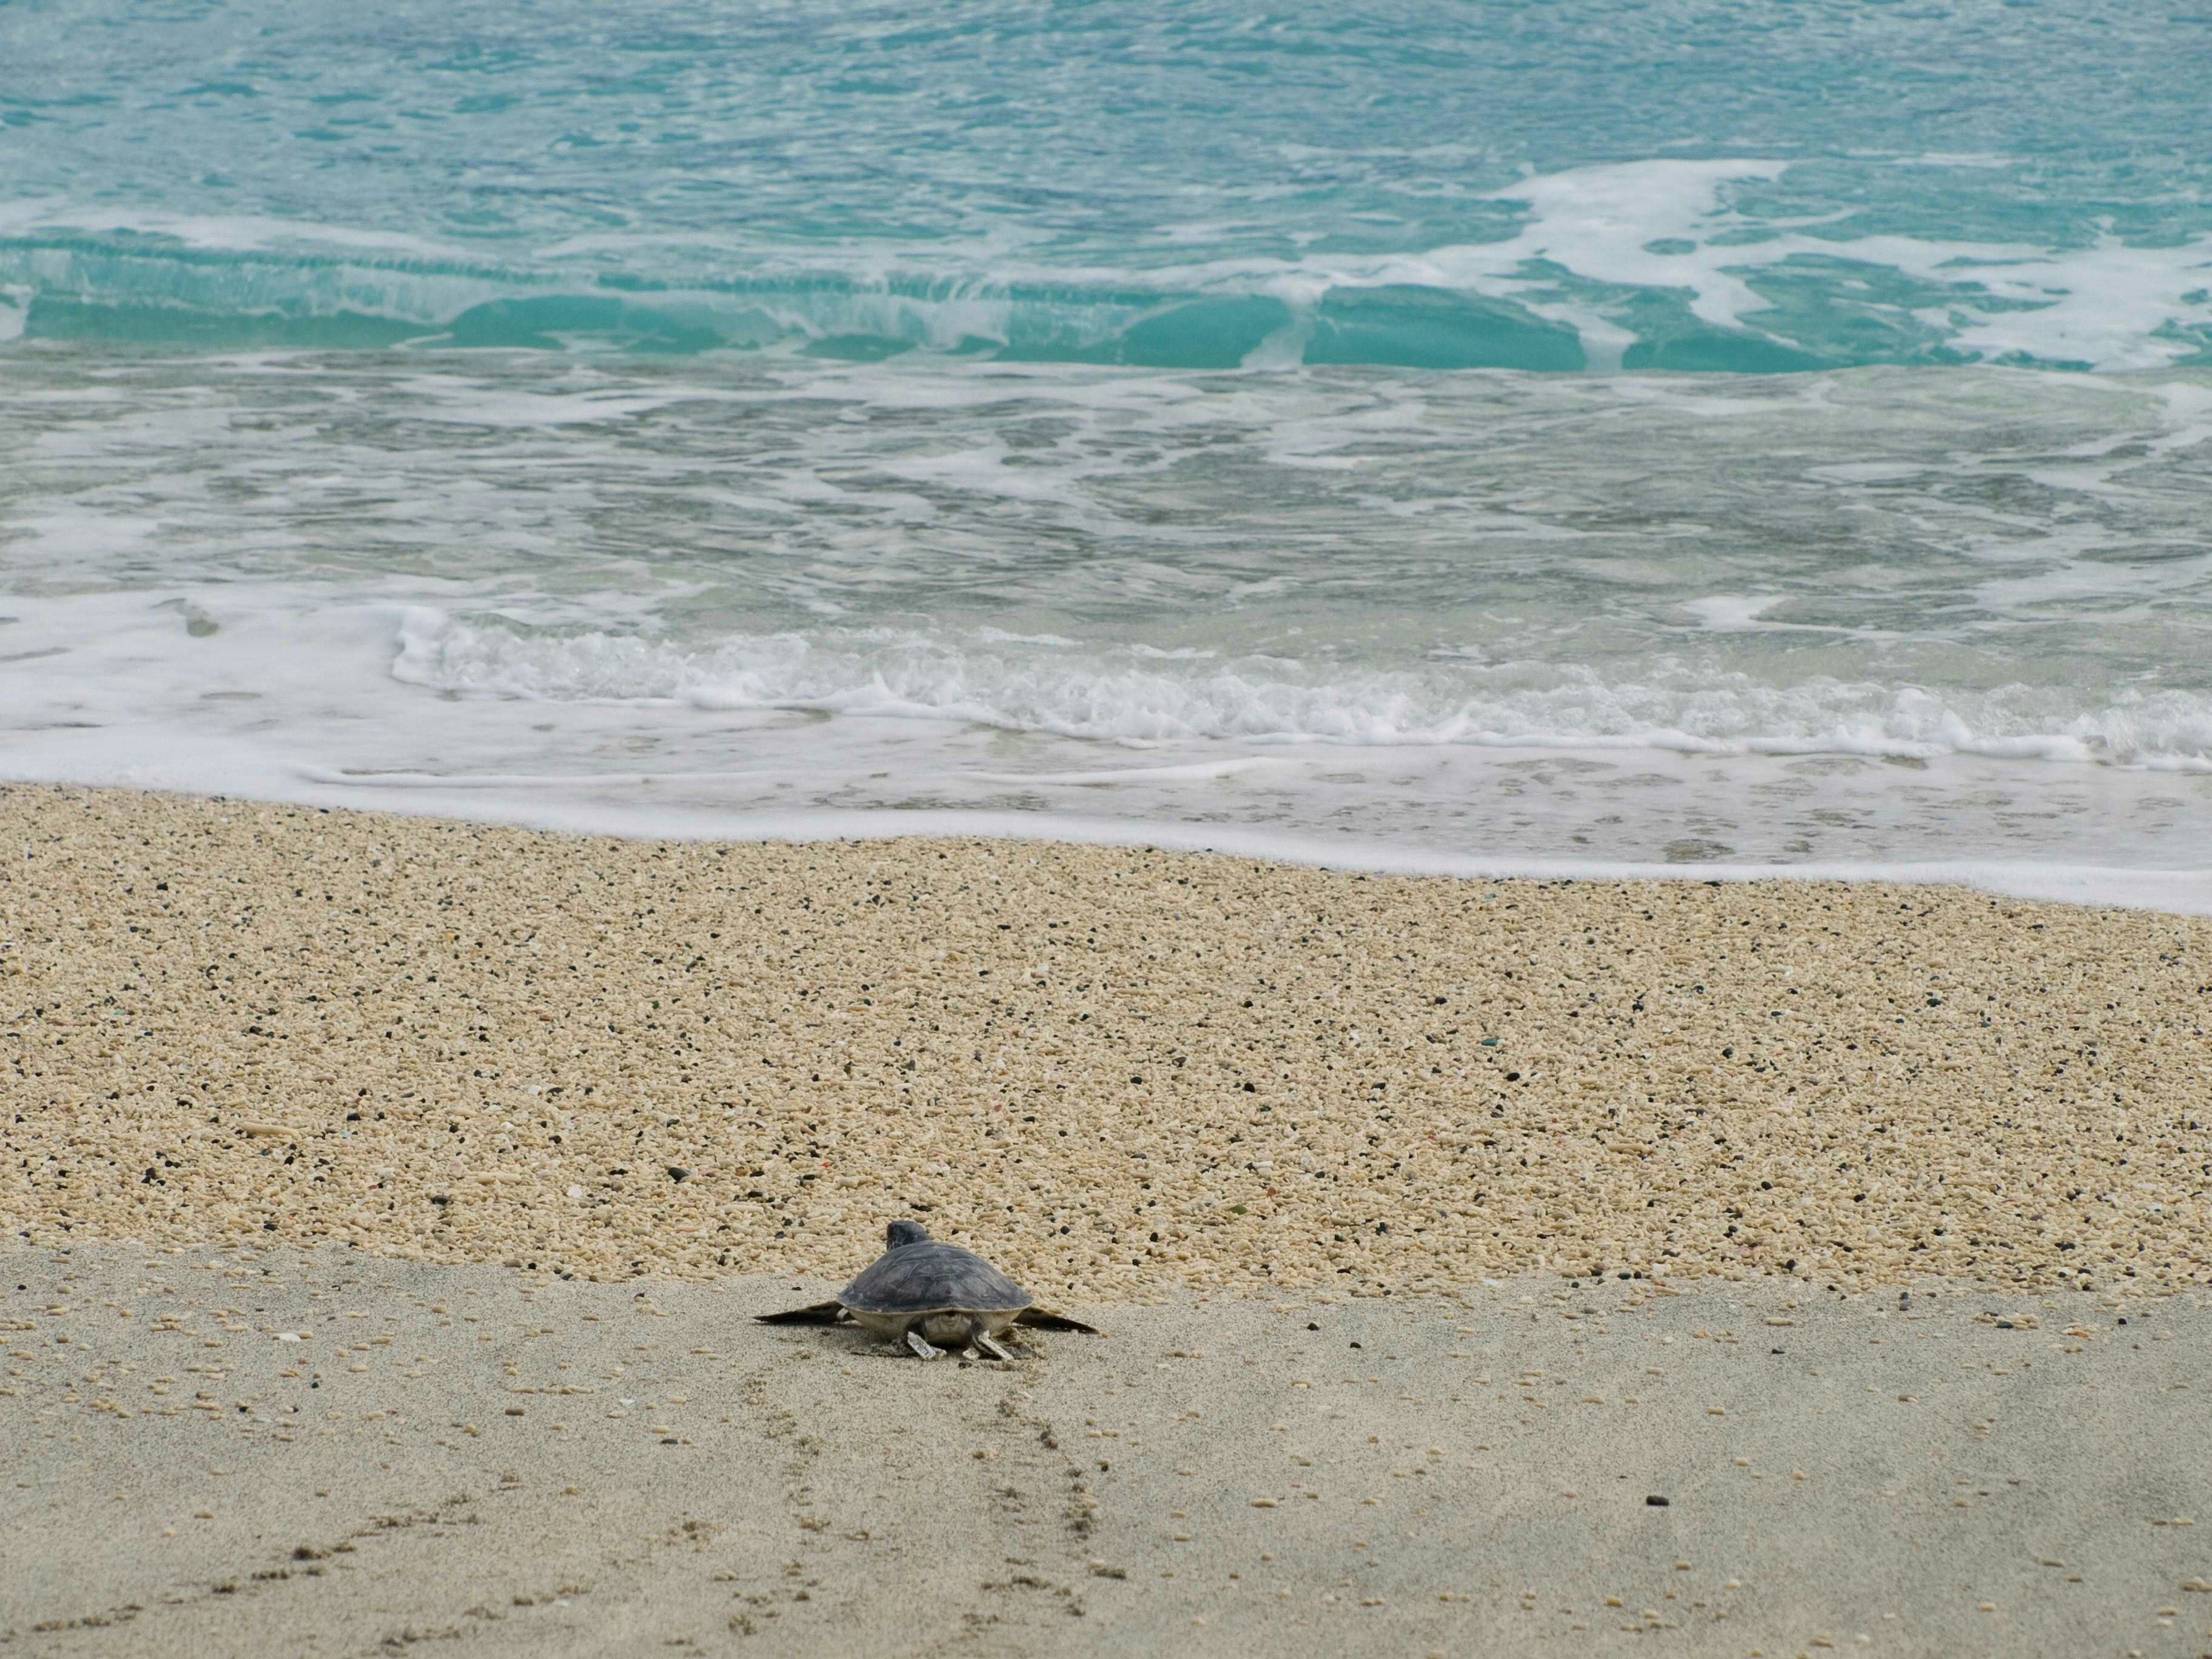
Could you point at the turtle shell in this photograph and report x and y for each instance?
(928, 1276)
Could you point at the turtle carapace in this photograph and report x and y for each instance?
(920, 1293)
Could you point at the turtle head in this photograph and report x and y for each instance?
(904, 1232)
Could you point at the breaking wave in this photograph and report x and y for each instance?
(1640, 266)
(1121, 697)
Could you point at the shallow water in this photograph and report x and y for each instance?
(1681, 184)
(1257, 431)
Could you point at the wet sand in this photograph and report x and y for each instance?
(541, 1466)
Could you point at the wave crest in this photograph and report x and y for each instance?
(1116, 695)
(1651, 265)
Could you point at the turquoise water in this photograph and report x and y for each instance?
(1578, 435)
(1549, 187)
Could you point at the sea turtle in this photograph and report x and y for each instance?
(921, 1291)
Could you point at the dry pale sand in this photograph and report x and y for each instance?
(401, 1088)
(535, 1467)
(1124, 1072)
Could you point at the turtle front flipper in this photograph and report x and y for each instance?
(1039, 1319)
(819, 1313)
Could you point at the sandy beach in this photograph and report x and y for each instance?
(1476, 741)
(1125, 1073)
(1813, 1209)
(289, 1452)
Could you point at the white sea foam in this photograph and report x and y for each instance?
(1656, 226)
(279, 693)
(1867, 621)
(988, 681)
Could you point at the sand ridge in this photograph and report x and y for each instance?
(1119, 1072)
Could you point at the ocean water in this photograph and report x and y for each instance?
(1565, 437)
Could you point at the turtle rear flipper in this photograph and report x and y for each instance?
(1043, 1319)
(820, 1313)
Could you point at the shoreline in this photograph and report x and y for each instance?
(2167, 890)
(1124, 1074)
(672, 802)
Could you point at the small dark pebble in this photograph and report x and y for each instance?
(1656, 1501)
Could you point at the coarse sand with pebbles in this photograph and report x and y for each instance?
(1119, 1072)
